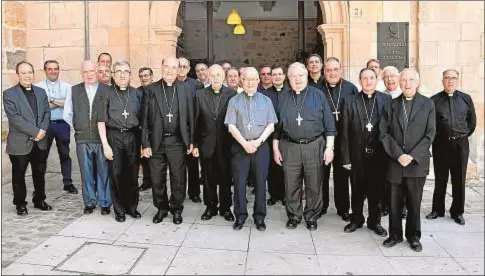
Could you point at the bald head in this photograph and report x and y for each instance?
(216, 76)
(170, 67)
(250, 80)
(298, 76)
(89, 72)
(409, 82)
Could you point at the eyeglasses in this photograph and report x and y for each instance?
(107, 71)
(265, 74)
(125, 72)
(450, 78)
(144, 76)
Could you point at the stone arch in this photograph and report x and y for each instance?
(335, 31)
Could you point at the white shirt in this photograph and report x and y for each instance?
(55, 90)
(91, 92)
(394, 94)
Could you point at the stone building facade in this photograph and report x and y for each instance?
(442, 34)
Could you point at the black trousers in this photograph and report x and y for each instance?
(61, 132)
(38, 162)
(413, 189)
(276, 179)
(253, 166)
(368, 184)
(450, 157)
(341, 178)
(217, 173)
(171, 154)
(146, 172)
(193, 175)
(123, 170)
(303, 162)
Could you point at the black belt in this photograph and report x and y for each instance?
(168, 134)
(302, 141)
(58, 121)
(369, 150)
(123, 130)
(457, 137)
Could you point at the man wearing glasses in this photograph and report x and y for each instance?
(146, 78)
(266, 81)
(119, 130)
(167, 131)
(303, 143)
(455, 122)
(81, 113)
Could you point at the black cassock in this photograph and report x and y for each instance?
(360, 147)
(410, 131)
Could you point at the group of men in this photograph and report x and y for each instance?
(246, 127)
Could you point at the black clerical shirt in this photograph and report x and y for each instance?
(455, 115)
(29, 94)
(170, 109)
(120, 108)
(371, 138)
(319, 84)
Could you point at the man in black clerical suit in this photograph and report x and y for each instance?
(314, 65)
(455, 122)
(336, 89)
(407, 130)
(28, 113)
(146, 77)
(167, 130)
(119, 131)
(212, 142)
(362, 153)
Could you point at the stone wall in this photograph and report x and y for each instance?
(264, 42)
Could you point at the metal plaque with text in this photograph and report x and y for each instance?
(393, 44)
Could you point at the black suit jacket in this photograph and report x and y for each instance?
(152, 117)
(353, 129)
(209, 133)
(417, 142)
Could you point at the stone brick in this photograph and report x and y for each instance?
(138, 36)
(69, 58)
(447, 53)
(470, 31)
(363, 33)
(139, 57)
(430, 79)
(117, 52)
(55, 38)
(482, 44)
(38, 15)
(365, 11)
(111, 14)
(390, 11)
(6, 38)
(14, 15)
(135, 9)
(364, 50)
(72, 76)
(428, 52)
(67, 14)
(468, 52)
(19, 38)
(470, 80)
(13, 58)
(36, 57)
(98, 37)
(118, 36)
(439, 31)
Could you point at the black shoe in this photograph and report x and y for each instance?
(345, 216)
(177, 218)
(292, 224)
(311, 225)
(260, 225)
(144, 187)
(22, 210)
(120, 217)
(195, 199)
(71, 189)
(228, 216)
(351, 227)
(378, 229)
(208, 214)
(390, 242)
(459, 219)
(159, 216)
(385, 212)
(135, 214)
(271, 201)
(89, 210)
(42, 205)
(416, 246)
(105, 211)
(238, 225)
(434, 215)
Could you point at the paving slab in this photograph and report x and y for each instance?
(426, 265)
(282, 240)
(217, 237)
(259, 263)
(355, 265)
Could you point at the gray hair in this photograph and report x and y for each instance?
(120, 63)
(297, 65)
(411, 70)
(451, 70)
(390, 69)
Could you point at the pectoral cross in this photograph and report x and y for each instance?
(369, 127)
(299, 119)
(125, 114)
(249, 126)
(336, 113)
(169, 115)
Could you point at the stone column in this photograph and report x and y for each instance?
(334, 37)
(163, 44)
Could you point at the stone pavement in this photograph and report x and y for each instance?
(65, 241)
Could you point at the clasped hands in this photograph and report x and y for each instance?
(405, 159)
(40, 135)
(327, 156)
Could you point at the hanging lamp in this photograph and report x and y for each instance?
(239, 29)
(233, 18)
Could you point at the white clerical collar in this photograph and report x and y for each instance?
(28, 88)
(279, 88)
(450, 94)
(217, 91)
(52, 82)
